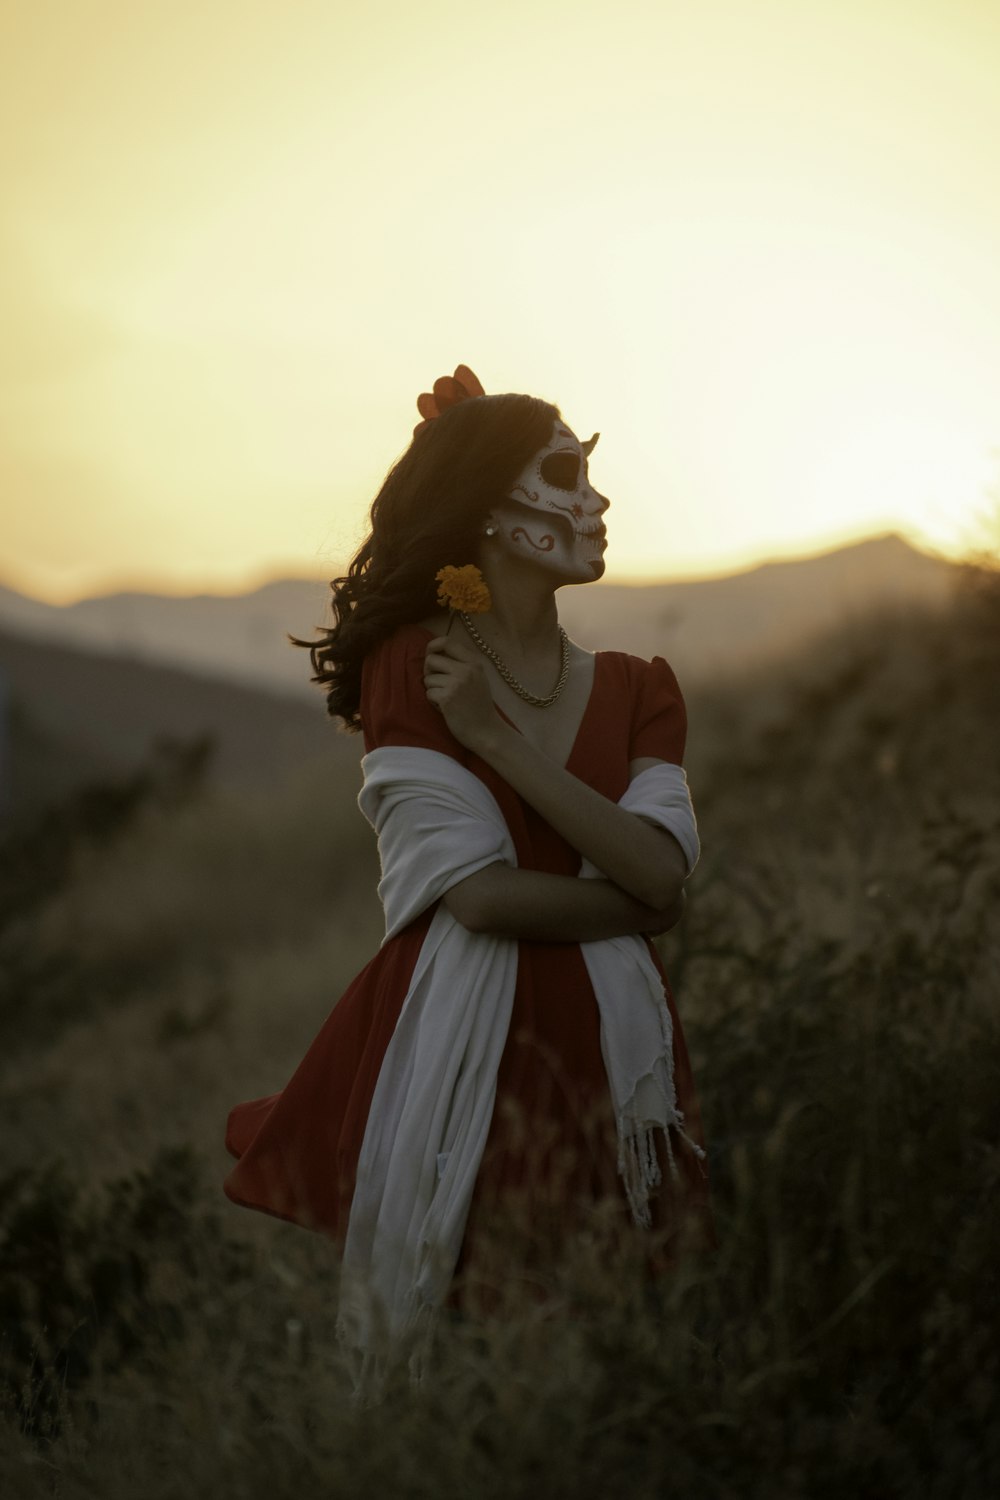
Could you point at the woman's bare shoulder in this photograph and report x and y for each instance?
(580, 653)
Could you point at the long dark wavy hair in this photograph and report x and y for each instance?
(428, 513)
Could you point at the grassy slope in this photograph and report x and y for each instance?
(837, 971)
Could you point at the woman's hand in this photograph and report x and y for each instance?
(456, 683)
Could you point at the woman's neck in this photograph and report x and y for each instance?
(523, 615)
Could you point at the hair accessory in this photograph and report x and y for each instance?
(448, 391)
(507, 674)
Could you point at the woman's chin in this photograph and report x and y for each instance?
(594, 570)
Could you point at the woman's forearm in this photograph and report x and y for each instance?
(645, 861)
(534, 906)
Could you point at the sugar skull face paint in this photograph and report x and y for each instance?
(552, 514)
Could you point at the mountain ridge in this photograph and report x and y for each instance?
(703, 625)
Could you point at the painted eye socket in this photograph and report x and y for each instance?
(562, 470)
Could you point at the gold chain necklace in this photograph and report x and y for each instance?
(507, 674)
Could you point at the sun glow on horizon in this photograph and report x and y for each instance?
(980, 542)
(761, 267)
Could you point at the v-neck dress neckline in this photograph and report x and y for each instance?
(585, 715)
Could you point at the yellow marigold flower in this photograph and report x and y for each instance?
(463, 589)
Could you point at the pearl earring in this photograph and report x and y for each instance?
(491, 530)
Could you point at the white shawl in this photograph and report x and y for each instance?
(437, 823)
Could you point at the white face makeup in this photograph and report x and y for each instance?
(552, 515)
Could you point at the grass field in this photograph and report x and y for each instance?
(168, 952)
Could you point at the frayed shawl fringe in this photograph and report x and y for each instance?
(374, 1353)
(639, 1164)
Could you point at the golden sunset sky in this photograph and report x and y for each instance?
(756, 244)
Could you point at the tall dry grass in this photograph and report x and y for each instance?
(837, 971)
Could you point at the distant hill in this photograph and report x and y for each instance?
(701, 625)
(71, 716)
(240, 636)
(707, 626)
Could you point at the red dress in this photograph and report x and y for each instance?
(552, 1142)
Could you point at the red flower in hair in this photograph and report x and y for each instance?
(449, 390)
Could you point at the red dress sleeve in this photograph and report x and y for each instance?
(659, 718)
(394, 705)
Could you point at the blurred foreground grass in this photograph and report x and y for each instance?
(837, 971)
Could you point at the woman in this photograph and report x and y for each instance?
(513, 1052)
